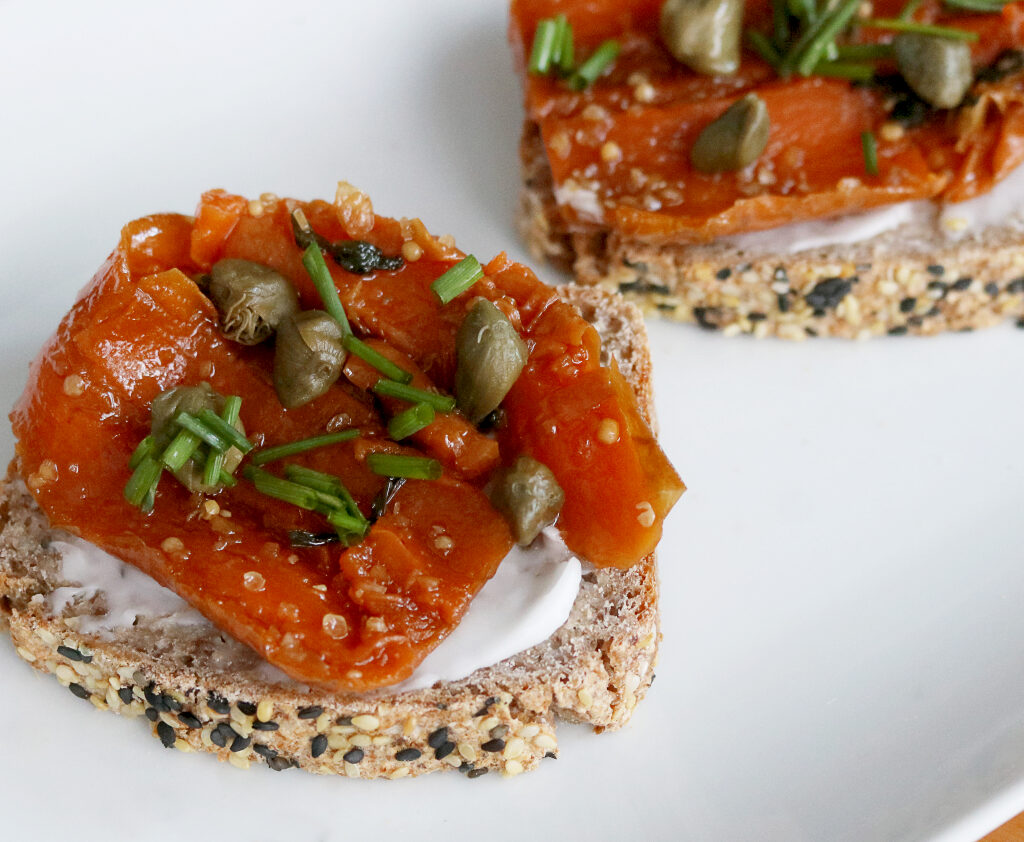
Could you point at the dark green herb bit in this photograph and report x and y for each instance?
(457, 279)
(280, 451)
(870, 147)
(362, 258)
(410, 467)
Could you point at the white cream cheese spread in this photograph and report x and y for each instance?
(526, 601)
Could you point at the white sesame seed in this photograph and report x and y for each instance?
(608, 431)
(514, 748)
(65, 675)
(528, 732)
(361, 740)
(25, 654)
(611, 152)
(376, 624)
(545, 742)
(172, 545)
(254, 581)
(488, 722)
(335, 626)
(366, 722)
(443, 543)
(74, 385)
(323, 722)
(644, 92)
(586, 697)
(513, 767)
(400, 772)
(409, 726)
(412, 251)
(467, 751)
(382, 740)
(338, 741)
(238, 760)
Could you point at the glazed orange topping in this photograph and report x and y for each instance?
(619, 151)
(347, 619)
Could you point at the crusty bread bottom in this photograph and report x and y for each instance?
(203, 691)
(910, 280)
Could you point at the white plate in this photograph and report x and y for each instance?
(842, 584)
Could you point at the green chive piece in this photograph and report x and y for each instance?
(410, 467)
(867, 140)
(457, 279)
(780, 21)
(985, 6)
(224, 478)
(825, 31)
(414, 419)
(897, 25)
(348, 525)
(325, 483)
(316, 266)
(864, 52)
(215, 464)
(232, 407)
(213, 467)
(566, 49)
(441, 403)
(281, 489)
(806, 10)
(228, 432)
(543, 46)
(149, 501)
(763, 47)
(199, 428)
(909, 9)
(280, 451)
(601, 59)
(376, 359)
(145, 448)
(180, 450)
(845, 70)
(142, 484)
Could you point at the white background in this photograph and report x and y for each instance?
(842, 584)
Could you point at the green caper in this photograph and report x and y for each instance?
(193, 400)
(735, 139)
(490, 356)
(703, 34)
(307, 358)
(252, 299)
(937, 69)
(529, 497)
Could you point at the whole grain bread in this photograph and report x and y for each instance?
(913, 279)
(202, 691)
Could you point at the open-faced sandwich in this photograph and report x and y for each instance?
(787, 167)
(407, 504)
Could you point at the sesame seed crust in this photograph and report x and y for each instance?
(198, 693)
(909, 281)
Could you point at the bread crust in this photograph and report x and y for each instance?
(912, 280)
(201, 691)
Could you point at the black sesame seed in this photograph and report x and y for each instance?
(899, 330)
(827, 293)
(152, 714)
(408, 754)
(908, 304)
(125, 695)
(498, 731)
(783, 302)
(810, 331)
(73, 654)
(915, 321)
(265, 751)
(265, 726)
(935, 311)
(248, 708)
(701, 315)
(442, 706)
(438, 737)
(170, 703)
(240, 743)
(465, 767)
(226, 733)
(79, 690)
(936, 270)
(218, 704)
(279, 764)
(939, 287)
(166, 734)
(992, 288)
(189, 720)
(757, 317)
(217, 738)
(780, 274)
(353, 756)
(960, 284)
(310, 712)
(493, 745)
(318, 745)
(476, 773)
(819, 312)
(723, 273)
(551, 755)
(343, 720)
(744, 267)
(157, 700)
(1020, 323)
(1015, 286)
(444, 750)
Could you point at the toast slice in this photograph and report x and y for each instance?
(910, 280)
(202, 691)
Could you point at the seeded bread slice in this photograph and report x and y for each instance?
(203, 691)
(913, 279)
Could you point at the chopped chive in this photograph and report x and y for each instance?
(457, 279)
(845, 70)
(985, 6)
(180, 450)
(414, 419)
(142, 484)
(225, 479)
(824, 32)
(909, 9)
(145, 448)
(410, 467)
(780, 21)
(280, 451)
(200, 429)
(864, 52)
(326, 483)
(282, 489)
(441, 403)
(213, 467)
(763, 47)
(347, 524)
(600, 60)
(149, 501)
(316, 266)
(376, 359)
(867, 140)
(232, 407)
(215, 464)
(228, 432)
(806, 10)
(897, 25)
(543, 46)
(566, 49)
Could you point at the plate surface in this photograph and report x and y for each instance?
(842, 584)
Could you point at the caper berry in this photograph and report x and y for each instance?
(490, 356)
(937, 69)
(735, 139)
(703, 34)
(193, 400)
(529, 497)
(307, 358)
(252, 299)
